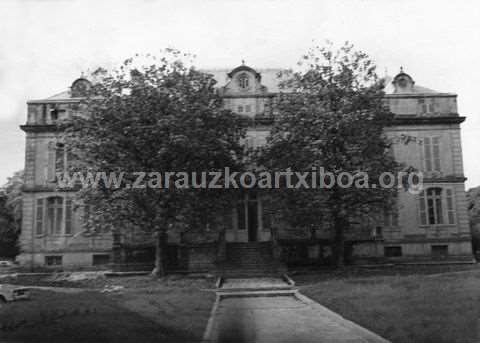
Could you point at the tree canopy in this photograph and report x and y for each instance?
(11, 215)
(156, 117)
(331, 115)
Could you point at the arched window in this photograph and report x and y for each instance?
(243, 81)
(436, 206)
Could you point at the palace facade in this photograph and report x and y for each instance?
(430, 226)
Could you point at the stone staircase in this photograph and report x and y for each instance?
(250, 259)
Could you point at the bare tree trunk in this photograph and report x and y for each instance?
(160, 243)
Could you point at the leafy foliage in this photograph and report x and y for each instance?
(331, 114)
(164, 116)
(11, 215)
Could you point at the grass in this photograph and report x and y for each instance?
(405, 307)
(144, 311)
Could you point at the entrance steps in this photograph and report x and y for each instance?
(250, 259)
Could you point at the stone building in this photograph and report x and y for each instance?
(432, 225)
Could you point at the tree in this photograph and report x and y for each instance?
(331, 114)
(11, 215)
(157, 117)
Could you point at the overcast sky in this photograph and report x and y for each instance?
(45, 45)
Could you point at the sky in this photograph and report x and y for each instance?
(45, 45)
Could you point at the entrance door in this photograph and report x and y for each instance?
(252, 215)
(247, 218)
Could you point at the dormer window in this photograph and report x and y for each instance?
(243, 81)
(403, 82)
(80, 87)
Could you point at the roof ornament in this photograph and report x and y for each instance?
(401, 69)
(243, 62)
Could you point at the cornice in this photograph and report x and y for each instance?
(39, 128)
(398, 120)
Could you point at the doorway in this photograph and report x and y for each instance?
(252, 218)
(247, 216)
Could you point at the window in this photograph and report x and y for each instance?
(422, 107)
(439, 251)
(54, 216)
(390, 218)
(243, 81)
(378, 233)
(248, 108)
(57, 160)
(426, 106)
(395, 251)
(431, 147)
(436, 206)
(53, 260)
(56, 114)
(240, 109)
(102, 259)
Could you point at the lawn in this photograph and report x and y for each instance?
(143, 311)
(418, 307)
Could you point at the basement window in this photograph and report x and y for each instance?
(99, 260)
(395, 251)
(439, 251)
(53, 260)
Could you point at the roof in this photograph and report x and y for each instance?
(270, 78)
(416, 89)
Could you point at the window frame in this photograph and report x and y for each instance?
(42, 215)
(243, 81)
(397, 248)
(432, 162)
(57, 160)
(447, 206)
(54, 258)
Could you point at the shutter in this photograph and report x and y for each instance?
(428, 153)
(59, 215)
(450, 208)
(436, 153)
(51, 163)
(68, 217)
(439, 208)
(39, 218)
(423, 213)
(60, 158)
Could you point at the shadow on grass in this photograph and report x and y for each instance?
(84, 317)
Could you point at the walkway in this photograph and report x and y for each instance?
(278, 317)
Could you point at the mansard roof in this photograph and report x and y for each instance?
(404, 85)
(271, 79)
